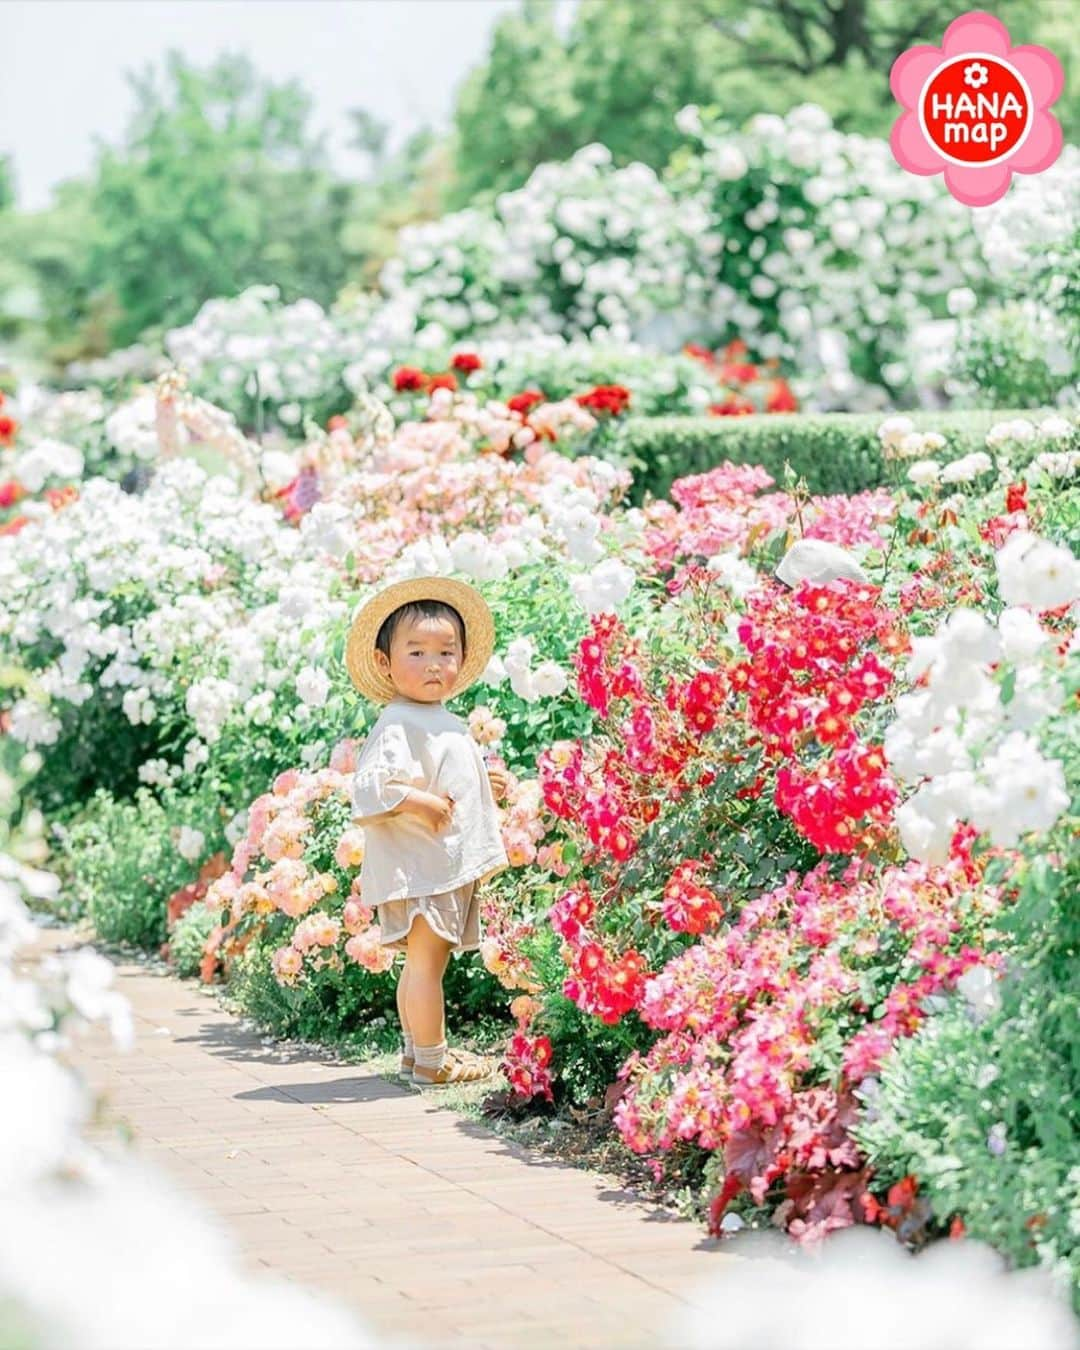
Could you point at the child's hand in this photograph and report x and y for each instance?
(434, 810)
(499, 780)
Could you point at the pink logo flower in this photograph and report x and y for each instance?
(976, 107)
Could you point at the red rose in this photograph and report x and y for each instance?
(1016, 497)
(8, 428)
(781, 399)
(737, 372)
(408, 378)
(525, 402)
(466, 362)
(10, 492)
(732, 406)
(606, 398)
(443, 381)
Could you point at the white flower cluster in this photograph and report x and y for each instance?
(75, 1266)
(546, 680)
(253, 348)
(825, 251)
(138, 362)
(228, 605)
(900, 440)
(583, 249)
(966, 736)
(47, 461)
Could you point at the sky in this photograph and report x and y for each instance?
(65, 62)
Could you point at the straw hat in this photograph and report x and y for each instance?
(469, 603)
(817, 561)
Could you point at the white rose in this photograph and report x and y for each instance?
(960, 300)
(728, 163)
(1055, 428)
(1021, 634)
(1034, 572)
(924, 472)
(549, 679)
(1023, 791)
(734, 572)
(313, 686)
(519, 656)
(190, 844)
(893, 430)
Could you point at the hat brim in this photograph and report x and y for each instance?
(466, 599)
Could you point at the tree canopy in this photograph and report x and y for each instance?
(219, 184)
(625, 68)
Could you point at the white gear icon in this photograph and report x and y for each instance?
(976, 75)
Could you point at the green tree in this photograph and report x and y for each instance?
(46, 308)
(626, 67)
(518, 109)
(218, 185)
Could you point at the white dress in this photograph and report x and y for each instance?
(408, 869)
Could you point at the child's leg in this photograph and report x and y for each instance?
(408, 1050)
(426, 962)
(402, 1005)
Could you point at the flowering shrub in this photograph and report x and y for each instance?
(979, 1104)
(768, 1027)
(778, 1014)
(582, 248)
(659, 383)
(812, 245)
(290, 909)
(259, 358)
(149, 628)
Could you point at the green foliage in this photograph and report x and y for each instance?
(587, 1054)
(1004, 355)
(536, 602)
(46, 301)
(219, 185)
(119, 864)
(518, 109)
(188, 938)
(834, 452)
(352, 1007)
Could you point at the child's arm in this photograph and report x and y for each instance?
(384, 784)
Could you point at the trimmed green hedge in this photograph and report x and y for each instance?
(834, 452)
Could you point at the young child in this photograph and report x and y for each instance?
(423, 795)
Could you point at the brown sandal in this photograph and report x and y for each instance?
(455, 1069)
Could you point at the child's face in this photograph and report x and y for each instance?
(425, 658)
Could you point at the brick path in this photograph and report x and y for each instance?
(435, 1229)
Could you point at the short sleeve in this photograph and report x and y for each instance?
(386, 771)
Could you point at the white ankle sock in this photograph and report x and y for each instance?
(430, 1056)
(407, 1044)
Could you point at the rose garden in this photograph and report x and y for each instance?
(790, 926)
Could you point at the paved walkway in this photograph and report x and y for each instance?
(435, 1229)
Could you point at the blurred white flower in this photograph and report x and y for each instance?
(924, 472)
(1033, 571)
(191, 843)
(549, 679)
(604, 588)
(960, 300)
(313, 686)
